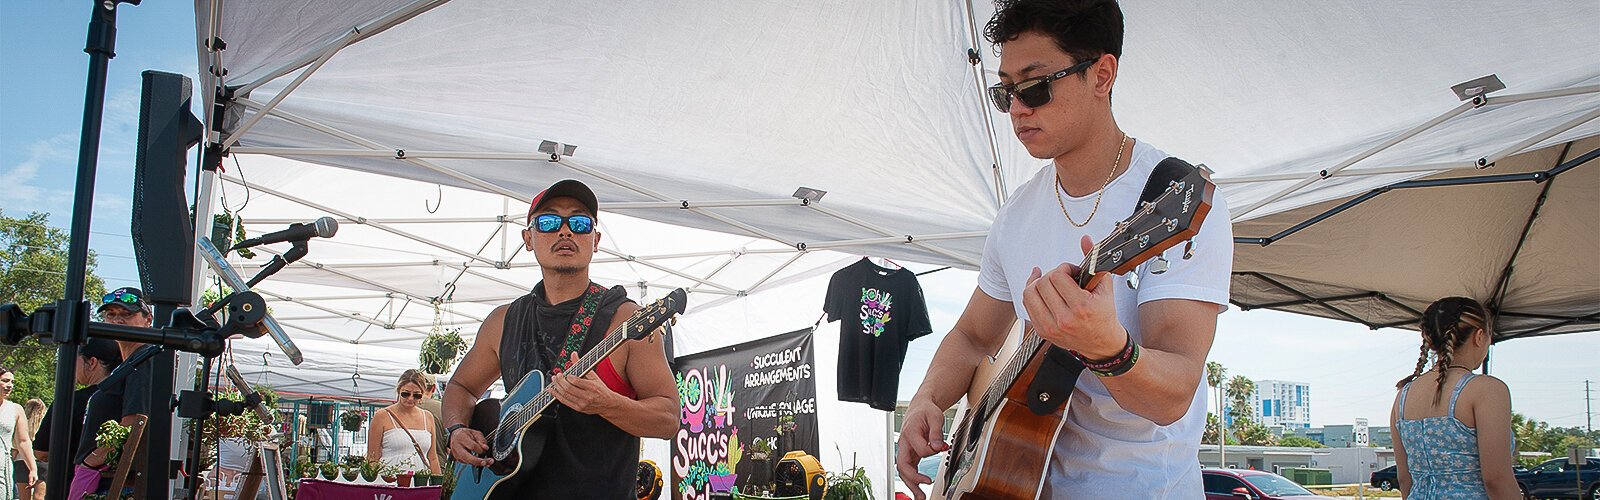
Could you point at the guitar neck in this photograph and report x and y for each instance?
(1031, 341)
(583, 366)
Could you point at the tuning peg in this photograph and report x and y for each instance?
(1188, 250)
(1159, 265)
(1133, 280)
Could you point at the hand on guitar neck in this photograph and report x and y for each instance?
(586, 394)
(1075, 312)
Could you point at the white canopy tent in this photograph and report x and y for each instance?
(709, 116)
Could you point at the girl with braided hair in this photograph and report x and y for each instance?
(1457, 447)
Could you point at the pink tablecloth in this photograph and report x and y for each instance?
(317, 489)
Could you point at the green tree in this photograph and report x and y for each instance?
(1240, 390)
(1251, 433)
(1300, 441)
(33, 272)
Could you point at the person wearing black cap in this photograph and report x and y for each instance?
(593, 440)
(122, 395)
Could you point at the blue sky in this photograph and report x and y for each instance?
(1351, 369)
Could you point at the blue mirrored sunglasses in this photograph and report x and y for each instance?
(125, 298)
(550, 223)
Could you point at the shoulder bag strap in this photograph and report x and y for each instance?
(414, 444)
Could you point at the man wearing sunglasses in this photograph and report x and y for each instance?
(122, 396)
(1133, 425)
(592, 444)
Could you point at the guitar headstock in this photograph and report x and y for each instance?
(657, 313)
(1174, 215)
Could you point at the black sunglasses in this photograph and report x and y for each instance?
(1033, 92)
(550, 223)
(410, 395)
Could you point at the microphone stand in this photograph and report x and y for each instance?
(279, 261)
(101, 46)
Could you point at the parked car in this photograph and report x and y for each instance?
(1233, 484)
(1387, 478)
(1555, 478)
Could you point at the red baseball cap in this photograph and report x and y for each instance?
(567, 187)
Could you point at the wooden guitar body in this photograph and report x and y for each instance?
(1000, 452)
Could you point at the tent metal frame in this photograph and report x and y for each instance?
(1483, 162)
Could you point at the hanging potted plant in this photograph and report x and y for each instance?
(352, 419)
(223, 232)
(440, 349)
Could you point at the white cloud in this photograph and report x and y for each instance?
(25, 191)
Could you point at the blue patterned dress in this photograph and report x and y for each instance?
(1441, 453)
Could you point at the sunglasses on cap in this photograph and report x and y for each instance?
(121, 298)
(410, 395)
(550, 223)
(1033, 92)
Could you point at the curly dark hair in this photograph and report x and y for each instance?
(1084, 29)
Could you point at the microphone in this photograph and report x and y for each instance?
(209, 252)
(249, 394)
(324, 227)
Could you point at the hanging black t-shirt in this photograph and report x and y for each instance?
(880, 310)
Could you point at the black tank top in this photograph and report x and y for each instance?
(585, 456)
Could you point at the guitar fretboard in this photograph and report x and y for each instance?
(583, 366)
(1031, 341)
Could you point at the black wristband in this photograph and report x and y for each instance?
(448, 431)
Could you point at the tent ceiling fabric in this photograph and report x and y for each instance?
(873, 102)
(1416, 245)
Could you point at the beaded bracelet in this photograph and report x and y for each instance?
(1124, 367)
(1117, 365)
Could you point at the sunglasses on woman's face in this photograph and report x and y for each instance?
(410, 395)
(550, 223)
(1033, 92)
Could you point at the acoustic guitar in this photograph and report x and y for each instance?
(1002, 446)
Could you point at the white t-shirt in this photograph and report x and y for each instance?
(1103, 450)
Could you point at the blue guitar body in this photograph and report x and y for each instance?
(521, 448)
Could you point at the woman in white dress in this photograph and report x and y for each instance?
(16, 437)
(401, 434)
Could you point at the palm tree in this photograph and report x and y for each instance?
(1215, 375)
(1240, 389)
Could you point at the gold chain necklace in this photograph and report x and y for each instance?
(1097, 197)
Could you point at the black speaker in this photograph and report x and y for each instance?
(163, 234)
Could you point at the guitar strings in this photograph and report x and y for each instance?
(543, 399)
(1031, 340)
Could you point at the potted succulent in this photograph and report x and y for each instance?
(352, 419)
(389, 473)
(370, 470)
(330, 470)
(351, 468)
(852, 484)
(440, 349)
